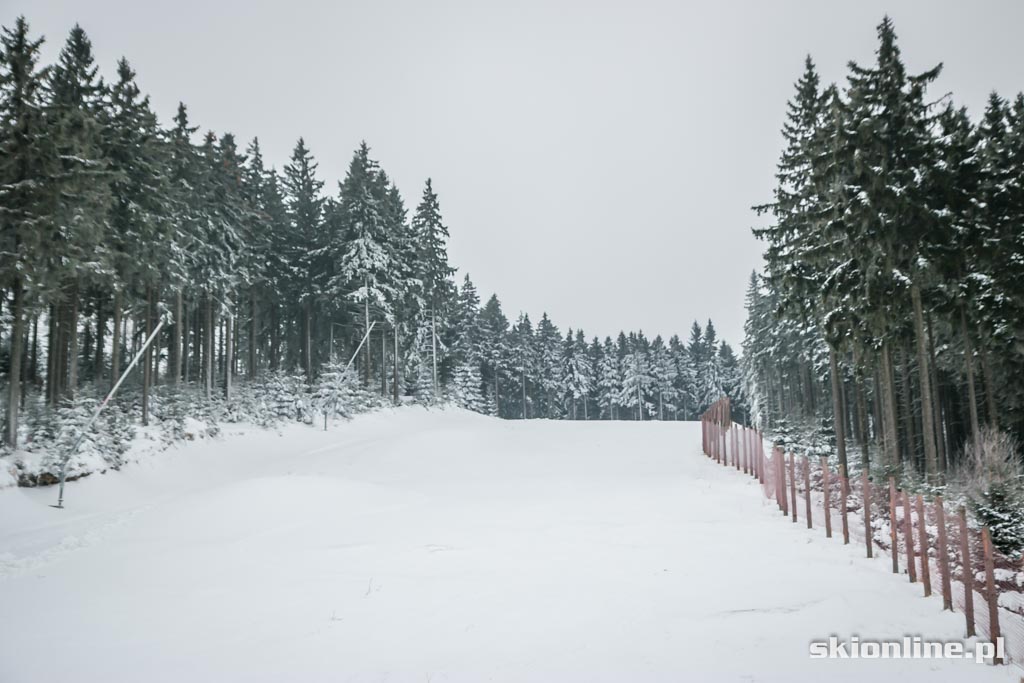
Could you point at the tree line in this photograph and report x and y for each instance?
(112, 222)
(892, 302)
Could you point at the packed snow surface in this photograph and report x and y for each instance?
(416, 545)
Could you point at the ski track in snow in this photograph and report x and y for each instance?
(416, 545)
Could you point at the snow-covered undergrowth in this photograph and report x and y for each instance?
(440, 545)
(175, 415)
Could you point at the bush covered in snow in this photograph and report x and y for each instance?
(992, 479)
(50, 434)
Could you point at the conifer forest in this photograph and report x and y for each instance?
(889, 319)
(267, 281)
(511, 341)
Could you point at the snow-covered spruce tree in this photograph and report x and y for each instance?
(433, 271)
(636, 378)
(595, 353)
(465, 388)
(710, 387)
(29, 171)
(465, 337)
(142, 239)
(576, 375)
(524, 358)
(663, 375)
(609, 381)
(685, 379)
(495, 352)
(549, 365)
(366, 264)
(584, 372)
(77, 110)
(419, 374)
(885, 195)
(303, 248)
(337, 392)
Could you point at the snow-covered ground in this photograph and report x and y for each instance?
(417, 545)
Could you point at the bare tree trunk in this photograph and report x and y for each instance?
(253, 369)
(174, 346)
(115, 340)
(888, 409)
(931, 460)
(862, 407)
(208, 348)
(972, 396)
(366, 310)
(940, 431)
(906, 397)
(228, 355)
(307, 343)
(433, 353)
(14, 374)
(51, 363)
(497, 397)
(383, 363)
(394, 379)
(101, 333)
(639, 393)
(147, 364)
(187, 317)
(523, 375)
(275, 339)
(990, 391)
(838, 418)
(34, 362)
(60, 354)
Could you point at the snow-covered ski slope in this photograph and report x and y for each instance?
(441, 546)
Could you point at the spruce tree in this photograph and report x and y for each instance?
(305, 244)
(29, 169)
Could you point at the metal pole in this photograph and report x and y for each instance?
(365, 337)
(96, 414)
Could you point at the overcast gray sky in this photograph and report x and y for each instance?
(595, 160)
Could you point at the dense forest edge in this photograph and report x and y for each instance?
(887, 329)
(280, 301)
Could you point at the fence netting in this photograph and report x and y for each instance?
(925, 539)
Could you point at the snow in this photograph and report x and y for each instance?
(415, 545)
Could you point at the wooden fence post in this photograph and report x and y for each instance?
(807, 489)
(758, 456)
(760, 452)
(744, 449)
(866, 488)
(943, 552)
(908, 538)
(825, 488)
(792, 482)
(736, 445)
(727, 437)
(922, 539)
(725, 446)
(968, 572)
(990, 591)
(893, 527)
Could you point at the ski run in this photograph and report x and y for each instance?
(441, 545)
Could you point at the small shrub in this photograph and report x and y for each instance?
(993, 482)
